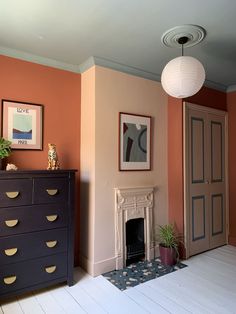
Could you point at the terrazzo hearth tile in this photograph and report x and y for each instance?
(139, 272)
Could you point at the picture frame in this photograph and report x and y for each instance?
(134, 142)
(22, 124)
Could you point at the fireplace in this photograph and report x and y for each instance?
(134, 225)
(135, 248)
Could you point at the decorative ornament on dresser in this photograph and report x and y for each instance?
(53, 163)
(5, 150)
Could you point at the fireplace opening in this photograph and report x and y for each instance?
(135, 240)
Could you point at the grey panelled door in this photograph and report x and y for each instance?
(205, 179)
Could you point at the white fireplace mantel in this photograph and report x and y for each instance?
(132, 203)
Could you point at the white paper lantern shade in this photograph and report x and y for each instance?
(183, 77)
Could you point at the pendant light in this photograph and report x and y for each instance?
(183, 76)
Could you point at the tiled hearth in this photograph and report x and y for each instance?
(140, 272)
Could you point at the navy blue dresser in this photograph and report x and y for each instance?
(36, 229)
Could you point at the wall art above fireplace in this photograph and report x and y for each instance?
(134, 142)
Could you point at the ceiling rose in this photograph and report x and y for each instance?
(194, 33)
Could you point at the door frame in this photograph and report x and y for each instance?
(186, 106)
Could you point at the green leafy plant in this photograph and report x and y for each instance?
(169, 244)
(5, 148)
(168, 237)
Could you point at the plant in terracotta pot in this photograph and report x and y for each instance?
(168, 246)
(5, 149)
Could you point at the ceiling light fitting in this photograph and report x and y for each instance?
(183, 76)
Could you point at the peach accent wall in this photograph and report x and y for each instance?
(117, 92)
(87, 166)
(59, 92)
(231, 105)
(205, 97)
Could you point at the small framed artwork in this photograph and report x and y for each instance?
(134, 142)
(22, 124)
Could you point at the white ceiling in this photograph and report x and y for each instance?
(123, 34)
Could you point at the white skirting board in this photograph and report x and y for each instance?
(98, 268)
(101, 267)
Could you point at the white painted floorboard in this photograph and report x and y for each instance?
(207, 285)
(29, 304)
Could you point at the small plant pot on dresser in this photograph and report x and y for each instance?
(36, 229)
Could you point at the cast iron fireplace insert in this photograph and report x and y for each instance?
(135, 240)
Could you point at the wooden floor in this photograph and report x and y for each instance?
(207, 285)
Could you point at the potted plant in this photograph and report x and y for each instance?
(5, 149)
(168, 246)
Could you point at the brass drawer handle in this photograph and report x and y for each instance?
(9, 280)
(11, 223)
(52, 192)
(50, 269)
(11, 252)
(12, 194)
(51, 244)
(52, 218)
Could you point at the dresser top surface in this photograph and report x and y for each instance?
(35, 173)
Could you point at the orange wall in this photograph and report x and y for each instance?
(59, 91)
(210, 98)
(206, 97)
(231, 104)
(175, 162)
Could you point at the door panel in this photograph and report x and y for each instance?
(198, 189)
(216, 152)
(197, 149)
(218, 185)
(198, 218)
(205, 179)
(217, 212)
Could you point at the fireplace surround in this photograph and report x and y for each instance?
(133, 203)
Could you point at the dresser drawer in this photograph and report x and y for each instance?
(50, 190)
(24, 274)
(15, 192)
(32, 245)
(15, 220)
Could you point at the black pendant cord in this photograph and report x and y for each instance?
(183, 40)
